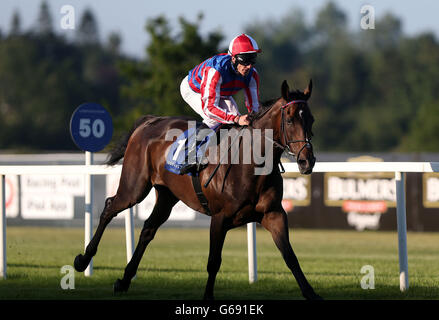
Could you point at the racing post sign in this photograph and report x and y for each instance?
(91, 128)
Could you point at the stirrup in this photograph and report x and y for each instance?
(190, 167)
(193, 167)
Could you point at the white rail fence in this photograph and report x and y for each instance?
(398, 168)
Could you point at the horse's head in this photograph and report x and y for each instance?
(294, 122)
(291, 120)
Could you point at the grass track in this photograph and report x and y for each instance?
(174, 265)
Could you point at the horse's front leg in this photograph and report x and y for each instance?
(217, 237)
(81, 262)
(277, 224)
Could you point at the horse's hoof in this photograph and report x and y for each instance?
(317, 298)
(208, 297)
(120, 286)
(313, 296)
(79, 264)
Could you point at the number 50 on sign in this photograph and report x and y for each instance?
(91, 127)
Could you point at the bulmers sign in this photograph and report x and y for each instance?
(364, 188)
(297, 190)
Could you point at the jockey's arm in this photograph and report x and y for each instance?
(210, 97)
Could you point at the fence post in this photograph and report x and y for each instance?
(129, 233)
(251, 243)
(402, 231)
(88, 209)
(3, 226)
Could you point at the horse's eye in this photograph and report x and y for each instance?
(290, 120)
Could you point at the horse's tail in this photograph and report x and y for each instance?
(118, 151)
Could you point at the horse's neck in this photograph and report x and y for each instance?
(268, 121)
(266, 156)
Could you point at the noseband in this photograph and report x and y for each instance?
(287, 142)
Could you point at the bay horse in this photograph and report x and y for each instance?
(243, 198)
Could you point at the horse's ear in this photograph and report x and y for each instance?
(308, 90)
(285, 90)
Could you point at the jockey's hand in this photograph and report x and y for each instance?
(243, 120)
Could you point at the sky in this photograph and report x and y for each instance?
(129, 17)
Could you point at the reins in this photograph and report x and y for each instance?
(286, 148)
(221, 159)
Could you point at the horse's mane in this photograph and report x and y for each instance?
(263, 108)
(266, 105)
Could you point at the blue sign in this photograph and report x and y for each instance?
(91, 127)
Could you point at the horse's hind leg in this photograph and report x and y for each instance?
(162, 209)
(127, 195)
(276, 223)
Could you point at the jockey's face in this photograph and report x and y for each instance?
(243, 70)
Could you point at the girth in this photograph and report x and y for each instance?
(199, 192)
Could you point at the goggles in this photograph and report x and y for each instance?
(246, 58)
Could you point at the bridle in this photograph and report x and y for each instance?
(286, 147)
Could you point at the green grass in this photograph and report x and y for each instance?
(174, 265)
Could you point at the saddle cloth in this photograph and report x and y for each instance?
(189, 147)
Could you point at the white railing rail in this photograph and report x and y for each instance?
(398, 168)
(88, 171)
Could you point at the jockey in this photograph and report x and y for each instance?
(209, 87)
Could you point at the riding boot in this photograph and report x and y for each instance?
(189, 167)
(194, 166)
(190, 163)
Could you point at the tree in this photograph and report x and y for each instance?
(42, 81)
(88, 33)
(114, 42)
(15, 24)
(420, 55)
(374, 90)
(33, 96)
(423, 129)
(366, 83)
(331, 24)
(44, 24)
(387, 34)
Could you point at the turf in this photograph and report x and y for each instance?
(174, 265)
